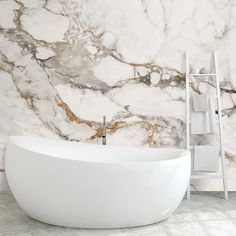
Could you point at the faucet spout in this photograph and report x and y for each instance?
(104, 131)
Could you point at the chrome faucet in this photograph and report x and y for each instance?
(103, 126)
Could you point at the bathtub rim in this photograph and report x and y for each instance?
(182, 153)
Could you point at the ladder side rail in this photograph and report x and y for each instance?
(187, 111)
(220, 128)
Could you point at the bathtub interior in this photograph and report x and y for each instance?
(94, 152)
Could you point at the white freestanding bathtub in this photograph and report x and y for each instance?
(93, 186)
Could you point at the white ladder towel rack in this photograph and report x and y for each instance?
(223, 174)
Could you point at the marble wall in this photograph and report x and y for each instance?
(65, 64)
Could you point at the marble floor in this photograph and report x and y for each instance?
(205, 214)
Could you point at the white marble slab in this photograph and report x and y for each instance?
(7, 14)
(44, 25)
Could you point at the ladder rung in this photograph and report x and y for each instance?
(207, 176)
(214, 96)
(202, 74)
(217, 121)
(191, 146)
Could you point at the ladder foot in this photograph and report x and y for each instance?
(226, 196)
(188, 193)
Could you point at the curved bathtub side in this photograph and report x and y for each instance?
(95, 195)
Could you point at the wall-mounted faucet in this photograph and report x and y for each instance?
(103, 125)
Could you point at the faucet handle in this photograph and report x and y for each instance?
(104, 120)
(104, 123)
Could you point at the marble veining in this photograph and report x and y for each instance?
(65, 64)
